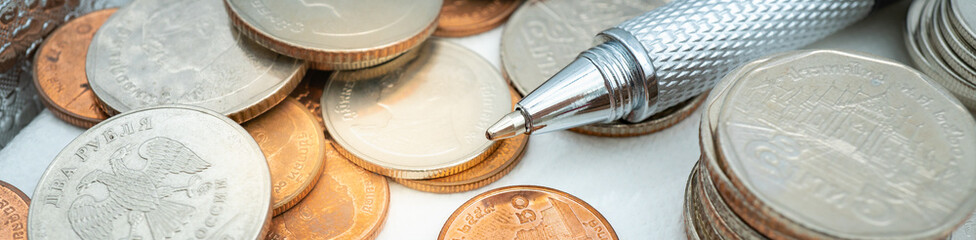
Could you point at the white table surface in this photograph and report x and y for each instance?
(637, 183)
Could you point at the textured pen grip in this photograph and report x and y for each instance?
(693, 43)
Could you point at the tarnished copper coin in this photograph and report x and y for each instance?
(294, 145)
(526, 212)
(461, 18)
(59, 71)
(13, 212)
(496, 166)
(347, 203)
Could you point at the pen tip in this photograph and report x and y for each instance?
(512, 124)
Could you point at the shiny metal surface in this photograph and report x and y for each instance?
(962, 11)
(858, 128)
(421, 121)
(156, 52)
(544, 35)
(923, 53)
(162, 172)
(23, 26)
(657, 60)
(337, 34)
(14, 205)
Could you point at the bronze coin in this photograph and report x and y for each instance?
(59, 71)
(496, 166)
(13, 212)
(461, 18)
(294, 146)
(347, 203)
(309, 93)
(526, 212)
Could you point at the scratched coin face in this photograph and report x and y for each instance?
(294, 145)
(174, 171)
(156, 52)
(346, 34)
(13, 212)
(526, 212)
(59, 71)
(544, 36)
(347, 203)
(424, 120)
(849, 146)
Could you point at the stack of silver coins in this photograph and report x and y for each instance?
(828, 145)
(941, 40)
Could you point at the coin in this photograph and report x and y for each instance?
(924, 54)
(156, 52)
(965, 22)
(526, 212)
(543, 36)
(294, 145)
(424, 120)
(494, 167)
(459, 18)
(336, 35)
(13, 212)
(829, 144)
(59, 71)
(657, 122)
(172, 171)
(309, 93)
(347, 203)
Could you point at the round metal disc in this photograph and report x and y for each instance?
(424, 120)
(850, 146)
(173, 171)
(155, 52)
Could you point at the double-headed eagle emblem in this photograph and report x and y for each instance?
(139, 194)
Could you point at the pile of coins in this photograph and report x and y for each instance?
(543, 36)
(941, 40)
(828, 145)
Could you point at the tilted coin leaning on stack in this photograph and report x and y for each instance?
(941, 40)
(827, 144)
(543, 36)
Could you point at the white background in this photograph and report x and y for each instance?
(637, 183)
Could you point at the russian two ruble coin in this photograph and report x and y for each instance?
(424, 120)
(59, 71)
(526, 212)
(155, 52)
(13, 212)
(347, 203)
(883, 141)
(501, 161)
(461, 18)
(294, 145)
(543, 36)
(923, 53)
(961, 11)
(174, 171)
(337, 35)
(966, 231)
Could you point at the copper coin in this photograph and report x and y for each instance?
(59, 71)
(496, 166)
(461, 18)
(526, 212)
(347, 203)
(294, 146)
(309, 92)
(13, 212)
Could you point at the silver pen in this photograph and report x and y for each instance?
(670, 54)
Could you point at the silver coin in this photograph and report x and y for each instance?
(938, 36)
(850, 146)
(155, 52)
(175, 171)
(337, 34)
(543, 36)
(423, 120)
(953, 38)
(924, 55)
(962, 11)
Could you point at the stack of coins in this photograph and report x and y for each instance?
(422, 122)
(831, 145)
(941, 40)
(526, 212)
(544, 36)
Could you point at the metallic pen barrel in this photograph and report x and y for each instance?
(668, 55)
